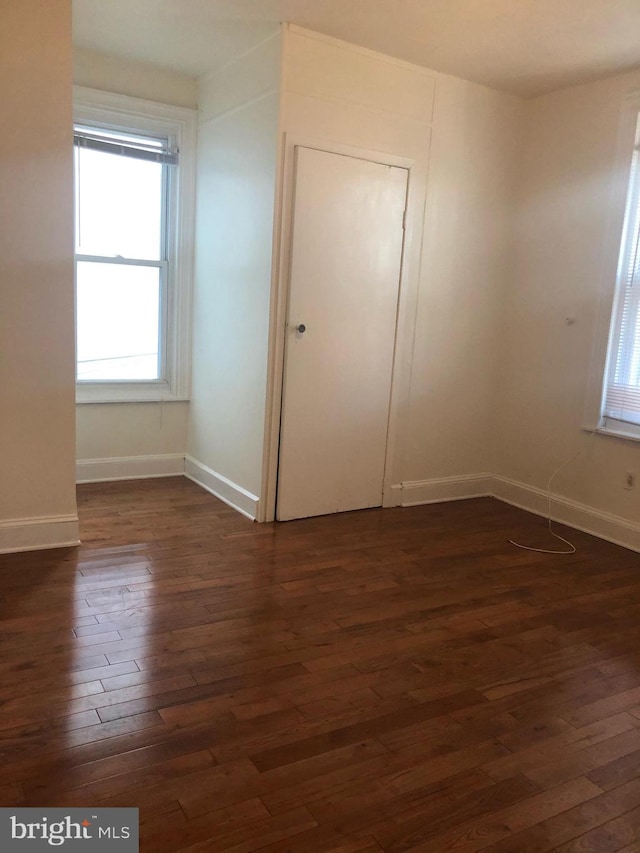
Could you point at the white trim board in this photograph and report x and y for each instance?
(227, 491)
(62, 531)
(604, 525)
(416, 492)
(39, 534)
(612, 528)
(168, 465)
(229, 111)
(129, 468)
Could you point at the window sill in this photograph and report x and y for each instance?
(126, 392)
(627, 431)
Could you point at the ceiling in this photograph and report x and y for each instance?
(526, 47)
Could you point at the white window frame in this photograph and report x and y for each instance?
(119, 112)
(613, 274)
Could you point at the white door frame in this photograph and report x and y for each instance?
(405, 319)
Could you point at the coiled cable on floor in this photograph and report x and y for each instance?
(572, 547)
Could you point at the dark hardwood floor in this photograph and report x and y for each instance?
(383, 680)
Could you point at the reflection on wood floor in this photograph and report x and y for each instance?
(389, 680)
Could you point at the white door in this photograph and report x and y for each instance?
(341, 325)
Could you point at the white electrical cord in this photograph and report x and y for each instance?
(572, 547)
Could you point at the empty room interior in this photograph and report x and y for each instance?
(320, 423)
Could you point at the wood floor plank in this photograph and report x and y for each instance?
(384, 680)
(474, 835)
(574, 825)
(610, 837)
(420, 830)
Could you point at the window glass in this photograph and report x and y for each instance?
(134, 170)
(119, 203)
(622, 385)
(118, 311)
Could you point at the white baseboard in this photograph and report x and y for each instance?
(416, 492)
(39, 534)
(613, 528)
(232, 494)
(62, 531)
(129, 468)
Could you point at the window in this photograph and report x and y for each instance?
(133, 244)
(621, 404)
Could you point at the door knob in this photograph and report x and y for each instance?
(301, 328)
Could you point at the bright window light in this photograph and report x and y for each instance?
(118, 205)
(118, 310)
(120, 259)
(621, 406)
(134, 163)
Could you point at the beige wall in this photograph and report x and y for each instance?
(131, 429)
(135, 79)
(234, 228)
(491, 377)
(36, 279)
(463, 140)
(336, 94)
(107, 431)
(343, 95)
(564, 268)
(466, 270)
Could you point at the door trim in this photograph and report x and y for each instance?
(405, 318)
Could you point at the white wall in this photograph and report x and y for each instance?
(464, 141)
(37, 495)
(237, 159)
(130, 430)
(563, 268)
